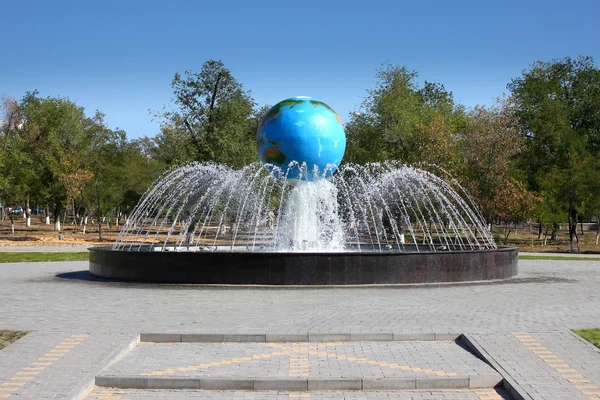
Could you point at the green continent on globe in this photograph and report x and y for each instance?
(275, 112)
(274, 156)
(317, 103)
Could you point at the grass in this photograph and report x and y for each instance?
(558, 258)
(7, 337)
(42, 257)
(591, 335)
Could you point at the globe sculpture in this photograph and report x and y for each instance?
(303, 137)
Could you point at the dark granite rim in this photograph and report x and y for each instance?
(299, 269)
(368, 251)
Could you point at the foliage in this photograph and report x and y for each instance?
(401, 121)
(52, 132)
(532, 156)
(487, 146)
(57, 156)
(13, 161)
(513, 203)
(557, 105)
(214, 120)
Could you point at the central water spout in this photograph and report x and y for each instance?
(310, 220)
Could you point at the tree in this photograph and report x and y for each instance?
(11, 118)
(171, 146)
(74, 175)
(401, 121)
(52, 131)
(514, 203)
(214, 117)
(487, 146)
(557, 105)
(141, 169)
(106, 158)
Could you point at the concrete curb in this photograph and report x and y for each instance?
(294, 337)
(508, 382)
(82, 389)
(298, 384)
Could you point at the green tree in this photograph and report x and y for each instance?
(487, 147)
(141, 169)
(52, 133)
(401, 121)
(214, 119)
(557, 104)
(106, 156)
(14, 163)
(171, 146)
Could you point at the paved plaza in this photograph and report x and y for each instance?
(96, 339)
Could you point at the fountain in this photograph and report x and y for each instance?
(298, 219)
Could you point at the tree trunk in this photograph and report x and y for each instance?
(540, 229)
(555, 228)
(74, 213)
(27, 213)
(507, 231)
(98, 208)
(572, 221)
(545, 236)
(56, 219)
(47, 214)
(12, 223)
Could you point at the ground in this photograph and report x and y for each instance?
(521, 328)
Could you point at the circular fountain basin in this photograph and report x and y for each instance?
(303, 268)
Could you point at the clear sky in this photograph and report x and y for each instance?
(120, 56)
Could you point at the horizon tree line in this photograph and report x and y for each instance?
(533, 155)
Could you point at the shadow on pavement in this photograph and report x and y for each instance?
(85, 277)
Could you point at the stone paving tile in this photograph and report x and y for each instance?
(546, 295)
(317, 360)
(135, 394)
(546, 365)
(50, 365)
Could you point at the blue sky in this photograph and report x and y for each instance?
(120, 56)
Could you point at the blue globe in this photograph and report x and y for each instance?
(301, 135)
